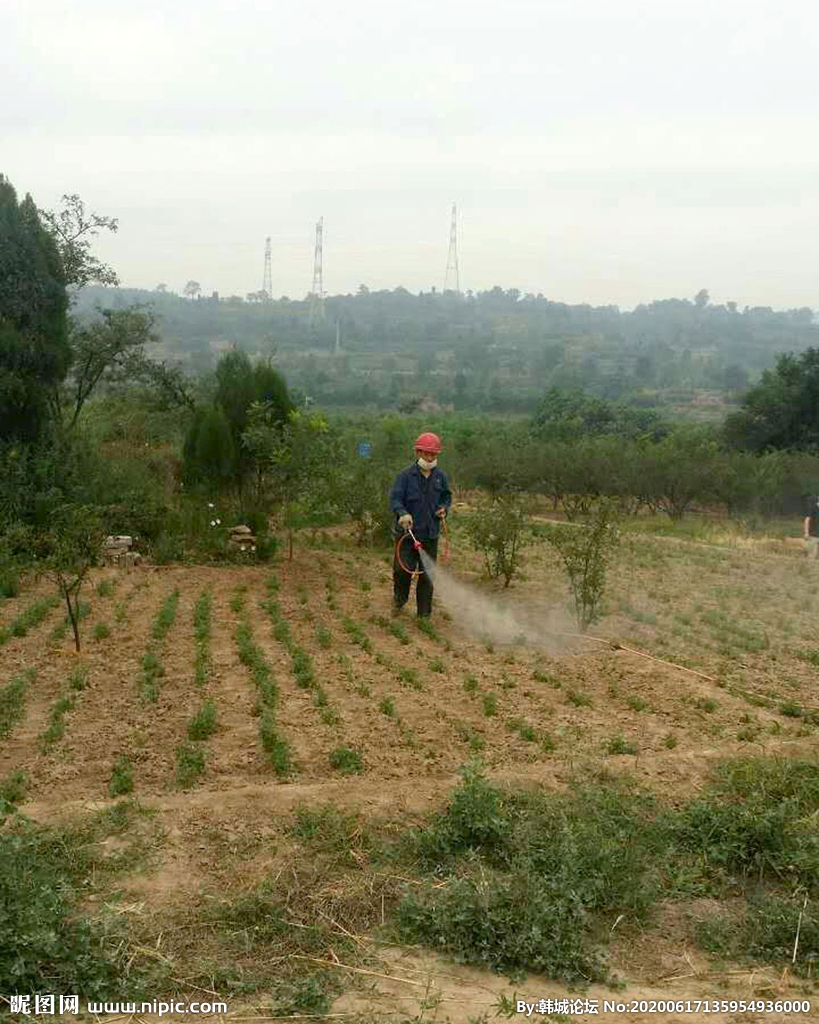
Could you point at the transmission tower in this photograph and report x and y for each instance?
(452, 275)
(317, 291)
(267, 277)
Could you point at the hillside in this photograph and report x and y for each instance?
(495, 350)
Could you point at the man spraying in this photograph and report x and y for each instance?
(419, 500)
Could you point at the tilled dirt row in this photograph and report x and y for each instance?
(513, 706)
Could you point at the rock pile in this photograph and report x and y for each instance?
(117, 551)
(241, 537)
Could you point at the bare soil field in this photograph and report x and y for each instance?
(414, 706)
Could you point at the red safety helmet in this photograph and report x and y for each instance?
(428, 443)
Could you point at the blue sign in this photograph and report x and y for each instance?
(365, 449)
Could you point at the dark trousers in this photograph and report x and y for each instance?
(401, 580)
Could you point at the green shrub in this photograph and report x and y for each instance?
(101, 631)
(190, 764)
(44, 944)
(346, 760)
(13, 701)
(13, 789)
(122, 777)
(203, 723)
(764, 932)
(499, 529)
(585, 552)
(497, 921)
(56, 723)
(619, 745)
(274, 745)
(165, 617)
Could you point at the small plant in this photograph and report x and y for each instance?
(437, 665)
(13, 701)
(619, 745)
(522, 728)
(166, 616)
(544, 677)
(73, 543)
(13, 789)
(387, 707)
(499, 529)
(547, 743)
(706, 704)
(669, 741)
(324, 637)
(346, 760)
(101, 631)
(190, 764)
(427, 628)
(56, 724)
(636, 703)
(152, 672)
(409, 676)
(105, 588)
(78, 679)
(470, 684)
(122, 777)
(490, 704)
(201, 629)
(578, 698)
(275, 746)
(585, 552)
(203, 723)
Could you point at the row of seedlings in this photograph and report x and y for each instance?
(55, 730)
(13, 700)
(152, 669)
(405, 675)
(275, 746)
(30, 617)
(301, 663)
(190, 755)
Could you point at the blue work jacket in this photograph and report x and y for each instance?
(422, 497)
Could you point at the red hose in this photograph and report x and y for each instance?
(406, 536)
(398, 544)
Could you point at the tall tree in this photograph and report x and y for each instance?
(72, 228)
(782, 410)
(34, 346)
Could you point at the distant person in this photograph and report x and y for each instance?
(420, 499)
(810, 528)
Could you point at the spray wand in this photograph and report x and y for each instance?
(408, 535)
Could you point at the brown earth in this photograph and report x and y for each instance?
(743, 617)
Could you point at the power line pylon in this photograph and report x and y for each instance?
(452, 275)
(317, 291)
(267, 277)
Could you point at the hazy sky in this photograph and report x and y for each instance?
(598, 150)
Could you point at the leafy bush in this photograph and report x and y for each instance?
(499, 529)
(765, 932)
(203, 723)
(190, 763)
(122, 777)
(346, 760)
(44, 945)
(585, 553)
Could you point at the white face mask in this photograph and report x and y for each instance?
(427, 465)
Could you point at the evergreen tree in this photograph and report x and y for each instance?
(34, 348)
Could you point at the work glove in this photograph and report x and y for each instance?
(405, 521)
